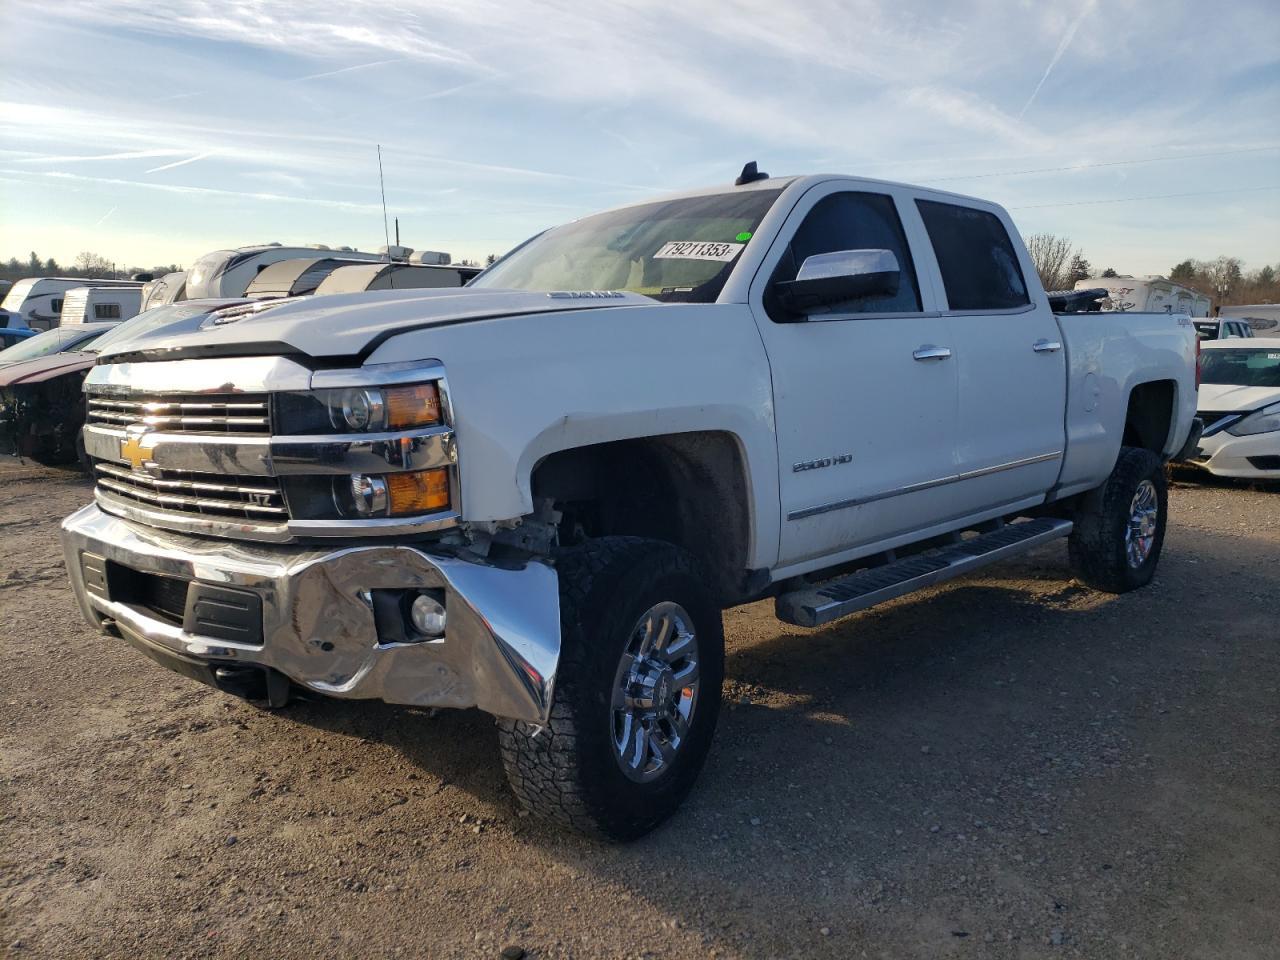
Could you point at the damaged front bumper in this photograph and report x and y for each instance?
(216, 610)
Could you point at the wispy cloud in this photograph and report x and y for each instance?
(501, 117)
(91, 158)
(1063, 44)
(351, 69)
(179, 163)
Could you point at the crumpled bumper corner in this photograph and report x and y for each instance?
(499, 652)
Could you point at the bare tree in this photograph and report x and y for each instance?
(91, 265)
(1054, 259)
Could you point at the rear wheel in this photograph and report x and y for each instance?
(1119, 527)
(637, 692)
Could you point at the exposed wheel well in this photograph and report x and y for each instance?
(1150, 415)
(689, 489)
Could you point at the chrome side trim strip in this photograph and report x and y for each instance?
(917, 487)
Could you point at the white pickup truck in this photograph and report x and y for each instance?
(535, 494)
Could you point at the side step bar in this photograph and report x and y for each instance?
(832, 599)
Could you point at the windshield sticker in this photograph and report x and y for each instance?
(697, 250)
(744, 236)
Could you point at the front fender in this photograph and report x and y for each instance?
(526, 387)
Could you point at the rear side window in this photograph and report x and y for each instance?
(979, 267)
(106, 311)
(853, 221)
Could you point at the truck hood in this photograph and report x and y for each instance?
(1229, 398)
(40, 369)
(348, 325)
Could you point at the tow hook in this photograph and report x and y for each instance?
(261, 686)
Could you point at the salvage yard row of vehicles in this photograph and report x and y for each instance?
(535, 495)
(41, 405)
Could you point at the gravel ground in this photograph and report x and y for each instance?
(1005, 766)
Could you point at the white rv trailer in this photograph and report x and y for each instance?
(87, 304)
(1147, 294)
(37, 301)
(298, 278)
(162, 291)
(358, 277)
(228, 273)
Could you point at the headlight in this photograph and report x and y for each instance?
(368, 496)
(392, 494)
(1260, 421)
(359, 409)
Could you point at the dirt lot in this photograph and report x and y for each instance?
(1008, 766)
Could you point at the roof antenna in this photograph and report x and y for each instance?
(386, 233)
(750, 174)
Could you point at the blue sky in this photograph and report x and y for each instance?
(156, 131)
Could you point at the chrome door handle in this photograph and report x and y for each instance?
(930, 352)
(1046, 346)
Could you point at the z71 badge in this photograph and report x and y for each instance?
(819, 464)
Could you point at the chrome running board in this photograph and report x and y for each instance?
(823, 602)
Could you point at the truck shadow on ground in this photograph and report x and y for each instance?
(923, 742)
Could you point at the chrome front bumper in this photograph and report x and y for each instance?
(499, 652)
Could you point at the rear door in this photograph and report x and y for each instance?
(1009, 358)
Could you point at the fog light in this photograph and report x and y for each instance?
(427, 614)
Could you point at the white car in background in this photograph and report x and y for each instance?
(1240, 407)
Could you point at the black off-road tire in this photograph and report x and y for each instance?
(1096, 547)
(567, 771)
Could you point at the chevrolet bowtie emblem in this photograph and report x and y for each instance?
(131, 449)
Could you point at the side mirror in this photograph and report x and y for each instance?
(828, 278)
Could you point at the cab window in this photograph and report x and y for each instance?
(851, 221)
(979, 266)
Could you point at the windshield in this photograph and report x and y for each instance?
(51, 341)
(17, 293)
(1244, 368)
(672, 250)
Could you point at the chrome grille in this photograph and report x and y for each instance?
(197, 494)
(239, 413)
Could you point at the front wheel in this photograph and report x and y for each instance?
(637, 692)
(1119, 528)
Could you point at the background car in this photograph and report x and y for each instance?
(1220, 328)
(1240, 407)
(58, 340)
(11, 335)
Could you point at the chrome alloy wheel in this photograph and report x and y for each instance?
(1140, 531)
(655, 691)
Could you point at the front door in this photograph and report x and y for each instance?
(864, 392)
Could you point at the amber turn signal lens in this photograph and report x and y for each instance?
(420, 491)
(416, 406)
